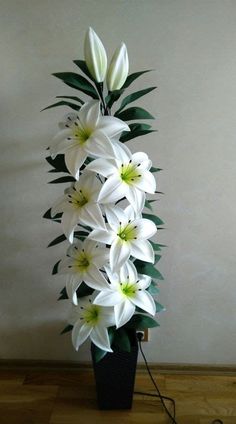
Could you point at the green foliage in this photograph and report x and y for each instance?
(134, 96)
(132, 77)
(153, 289)
(132, 113)
(63, 294)
(75, 98)
(60, 180)
(84, 290)
(157, 221)
(67, 329)
(155, 169)
(148, 269)
(141, 322)
(63, 103)
(56, 218)
(156, 246)
(55, 268)
(58, 164)
(78, 82)
(83, 67)
(159, 307)
(57, 240)
(148, 203)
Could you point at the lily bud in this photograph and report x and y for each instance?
(118, 69)
(95, 55)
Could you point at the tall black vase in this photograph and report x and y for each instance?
(115, 377)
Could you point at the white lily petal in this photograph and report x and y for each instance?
(147, 182)
(89, 183)
(119, 253)
(113, 276)
(102, 166)
(142, 159)
(95, 279)
(115, 215)
(62, 146)
(123, 312)
(123, 154)
(143, 250)
(103, 236)
(144, 281)
(74, 159)
(108, 298)
(145, 228)
(89, 114)
(128, 270)
(58, 206)
(91, 215)
(112, 190)
(136, 198)
(69, 221)
(112, 126)
(95, 55)
(72, 251)
(71, 290)
(80, 334)
(144, 301)
(100, 338)
(118, 68)
(99, 145)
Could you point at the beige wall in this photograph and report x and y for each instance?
(192, 45)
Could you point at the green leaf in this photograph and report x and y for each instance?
(156, 246)
(132, 77)
(134, 96)
(157, 221)
(63, 294)
(57, 240)
(78, 82)
(148, 203)
(157, 258)
(141, 322)
(66, 179)
(134, 134)
(153, 289)
(83, 67)
(75, 98)
(58, 163)
(62, 103)
(55, 268)
(155, 169)
(67, 329)
(159, 307)
(148, 269)
(56, 218)
(81, 235)
(132, 113)
(112, 97)
(84, 290)
(137, 126)
(121, 340)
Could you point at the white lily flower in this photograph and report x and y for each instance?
(127, 236)
(92, 321)
(87, 133)
(118, 68)
(127, 176)
(126, 291)
(79, 205)
(84, 259)
(95, 55)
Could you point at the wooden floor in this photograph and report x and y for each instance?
(68, 397)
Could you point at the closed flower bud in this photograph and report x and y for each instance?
(95, 56)
(118, 69)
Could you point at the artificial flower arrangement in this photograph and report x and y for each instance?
(109, 265)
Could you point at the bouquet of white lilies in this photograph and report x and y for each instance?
(109, 264)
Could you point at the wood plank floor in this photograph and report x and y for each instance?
(68, 397)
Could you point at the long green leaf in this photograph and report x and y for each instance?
(63, 294)
(153, 289)
(56, 218)
(141, 322)
(75, 98)
(84, 290)
(132, 113)
(57, 240)
(134, 96)
(155, 169)
(134, 134)
(66, 179)
(55, 268)
(157, 221)
(78, 82)
(147, 269)
(132, 77)
(83, 67)
(67, 329)
(156, 246)
(159, 307)
(63, 103)
(58, 163)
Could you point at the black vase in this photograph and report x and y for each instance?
(115, 377)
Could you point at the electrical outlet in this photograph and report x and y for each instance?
(145, 334)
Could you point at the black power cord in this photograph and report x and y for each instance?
(159, 395)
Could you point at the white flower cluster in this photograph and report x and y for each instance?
(106, 199)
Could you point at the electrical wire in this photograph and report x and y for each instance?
(159, 395)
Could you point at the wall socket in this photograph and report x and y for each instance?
(145, 334)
